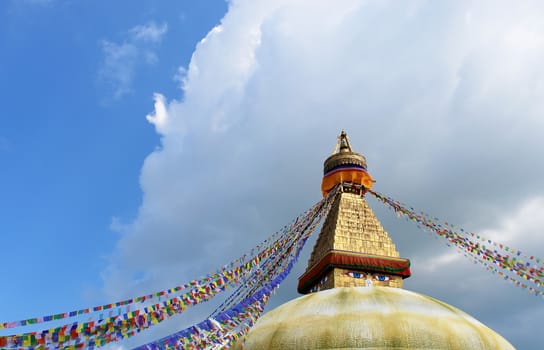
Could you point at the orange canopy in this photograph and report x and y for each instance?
(355, 175)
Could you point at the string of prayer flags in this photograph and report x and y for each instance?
(261, 271)
(264, 248)
(523, 270)
(231, 325)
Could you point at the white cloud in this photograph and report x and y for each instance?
(160, 117)
(442, 97)
(149, 32)
(181, 77)
(121, 60)
(118, 67)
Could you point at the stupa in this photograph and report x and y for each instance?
(353, 285)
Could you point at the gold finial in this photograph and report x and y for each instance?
(343, 144)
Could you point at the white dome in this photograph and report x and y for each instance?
(370, 318)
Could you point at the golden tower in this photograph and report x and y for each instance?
(353, 249)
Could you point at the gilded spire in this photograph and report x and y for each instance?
(353, 249)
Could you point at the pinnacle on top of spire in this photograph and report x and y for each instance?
(343, 144)
(343, 140)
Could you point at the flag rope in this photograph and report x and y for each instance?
(523, 270)
(270, 260)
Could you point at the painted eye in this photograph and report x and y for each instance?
(355, 274)
(382, 278)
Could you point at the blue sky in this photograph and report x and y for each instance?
(145, 143)
(70, 147)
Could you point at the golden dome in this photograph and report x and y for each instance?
(370, 318)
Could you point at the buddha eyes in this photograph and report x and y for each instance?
(382, 278)
(356, 275)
